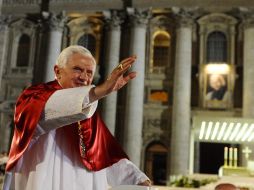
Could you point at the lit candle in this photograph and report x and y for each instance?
(225, 156)
(225, 153)
(235, 157)
(230, 156)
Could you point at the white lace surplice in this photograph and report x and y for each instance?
(51, 163)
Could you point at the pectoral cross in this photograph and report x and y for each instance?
(247, 152)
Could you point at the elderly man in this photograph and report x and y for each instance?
(60, 142)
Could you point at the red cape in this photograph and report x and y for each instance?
(102, 149)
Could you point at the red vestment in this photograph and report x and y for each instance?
(101, 148)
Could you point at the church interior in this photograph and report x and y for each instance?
(189, 114)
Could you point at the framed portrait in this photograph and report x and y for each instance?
(217, 91)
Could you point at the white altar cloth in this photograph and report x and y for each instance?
(133, 187)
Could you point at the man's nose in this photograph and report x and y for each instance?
(84, 76)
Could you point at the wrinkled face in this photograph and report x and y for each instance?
(79, 71)
(215, 82)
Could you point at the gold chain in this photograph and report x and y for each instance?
(81, 141)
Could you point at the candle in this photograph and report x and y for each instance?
(225, 156)
(225, 153)
(230, 156)
(235, 157)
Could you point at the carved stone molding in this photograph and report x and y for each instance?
(23, 25)
(246, 15)
(57, 22)
(162, 22)
(244, 12)
(162, 136)
(16, 29)
(4, 21)
(185, 16)
(85, 25)
(139, 17)
(185, 22)
(113, 19)
(217, 21)
(217, 18)
(70, 1)
(248, 21)
(21, 7)
(25, 2)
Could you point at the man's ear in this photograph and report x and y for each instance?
(57, 71)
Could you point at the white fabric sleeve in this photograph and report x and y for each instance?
(124, 172)
(67, 106)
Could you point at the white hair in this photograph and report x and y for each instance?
(64, 56)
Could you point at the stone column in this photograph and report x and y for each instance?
(3, 43)
(248, 61)
(180, 136)
(135, 90)
(248, 73)
(113, 21)
(6, 127)
(6, 111)
(56, 26)
(232, 45)
(202, 50)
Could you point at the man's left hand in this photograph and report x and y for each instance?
(145, 183)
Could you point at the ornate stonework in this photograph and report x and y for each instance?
(57, 22)
(81, 25)
(156, 124)
(4, 21)
(216, 21)
(185, 17)
(17, 29)
(15, 79)
(162, 22)
(73, 1)
(23, 26)
(86, 25)
(247, 16)
(160, 25)
(139, 17)
(11, 2)
(21, 7)
(113, 19)
(81, 6)
(225, 24)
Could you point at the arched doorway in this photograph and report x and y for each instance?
(156, 163)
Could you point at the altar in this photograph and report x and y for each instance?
(217, 133)
(242, 182)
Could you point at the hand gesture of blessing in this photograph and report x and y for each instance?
(116, 80)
